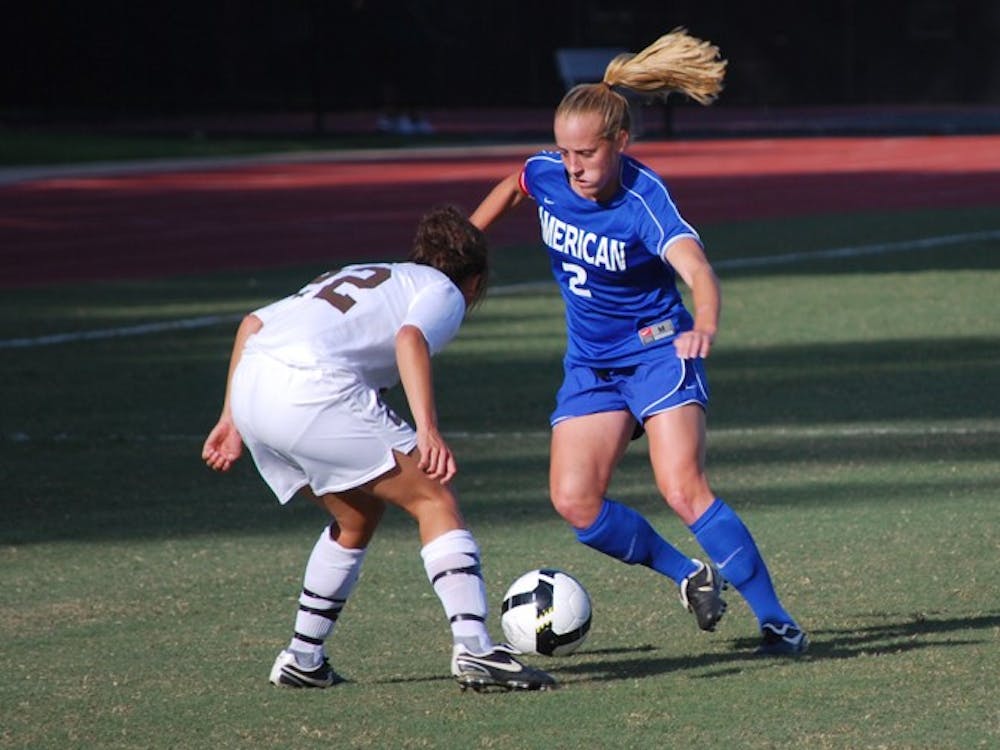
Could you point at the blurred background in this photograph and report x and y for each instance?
(362, 64)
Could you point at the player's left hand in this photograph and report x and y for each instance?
(223, 446)
(693, 344)
(436, 459)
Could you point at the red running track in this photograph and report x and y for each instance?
(258, 215)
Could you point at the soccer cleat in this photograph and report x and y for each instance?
(286, 672)
(497, 669)
(701, 594)
(782, 640)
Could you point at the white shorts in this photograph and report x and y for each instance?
(309, 427)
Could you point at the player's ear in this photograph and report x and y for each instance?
(622, 140)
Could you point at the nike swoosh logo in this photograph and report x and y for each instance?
(729, 559)
(548, 201)
(631, 548)
(511, 666)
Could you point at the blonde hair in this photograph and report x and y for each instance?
(676, 62)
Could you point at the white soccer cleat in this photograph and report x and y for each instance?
(498, 669)
(287, 672)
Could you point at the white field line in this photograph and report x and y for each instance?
(881, 248)
(110, 333)
(205, 321)
(846, 432)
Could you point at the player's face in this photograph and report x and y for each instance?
(590, 159)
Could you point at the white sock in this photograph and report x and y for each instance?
(452, 564)
(331, 573)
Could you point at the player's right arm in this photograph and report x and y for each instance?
(224, 444)
(500, 200)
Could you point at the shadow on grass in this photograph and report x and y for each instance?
(128, 466)
(900, 634)
(127, 499)
(896, 635)
(535, 661)
(798, 385)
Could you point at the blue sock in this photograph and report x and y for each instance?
(625, 535)
(728, 542)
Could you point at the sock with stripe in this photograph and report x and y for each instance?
(452, 564)
(331, 573)
(728, 542)
(623, 533)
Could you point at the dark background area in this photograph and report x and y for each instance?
(118, 58)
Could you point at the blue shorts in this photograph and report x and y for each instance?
(655, 386)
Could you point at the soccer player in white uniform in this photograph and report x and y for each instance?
(634, 357)
(303, 395)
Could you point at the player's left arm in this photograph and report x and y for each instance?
(224, 444)
(413, 357)
(687, 257)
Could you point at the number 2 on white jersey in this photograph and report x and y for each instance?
(577, 280)
(345, 302)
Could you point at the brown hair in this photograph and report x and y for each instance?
(448, 241)
(676, 62)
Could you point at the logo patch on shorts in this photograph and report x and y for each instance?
(656, 331)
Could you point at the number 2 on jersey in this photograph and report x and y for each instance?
(344, 302)
(578, 280)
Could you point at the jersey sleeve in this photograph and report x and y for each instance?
(661, 224)
(537, 169)
(269, 312)
(522, 182)
(437, 310)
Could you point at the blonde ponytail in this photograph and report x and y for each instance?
(674, 62)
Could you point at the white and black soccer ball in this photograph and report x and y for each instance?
(546, 611)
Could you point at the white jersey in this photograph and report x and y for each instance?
(348, 319)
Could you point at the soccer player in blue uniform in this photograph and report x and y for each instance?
(635, 354)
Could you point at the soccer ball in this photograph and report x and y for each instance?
(546, 612)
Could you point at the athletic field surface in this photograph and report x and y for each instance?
(854, 424)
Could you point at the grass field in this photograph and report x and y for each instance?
(855, 425)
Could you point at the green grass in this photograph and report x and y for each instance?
(855, 425)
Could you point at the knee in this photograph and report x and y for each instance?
(355, 533)
(358, 538)
(433, 500)
(578, 505)
(687, 499)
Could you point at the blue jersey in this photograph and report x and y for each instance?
(610, 261)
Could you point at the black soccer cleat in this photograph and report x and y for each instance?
(287, 672)
(785, 639)
(701, 594)
(497, 669)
